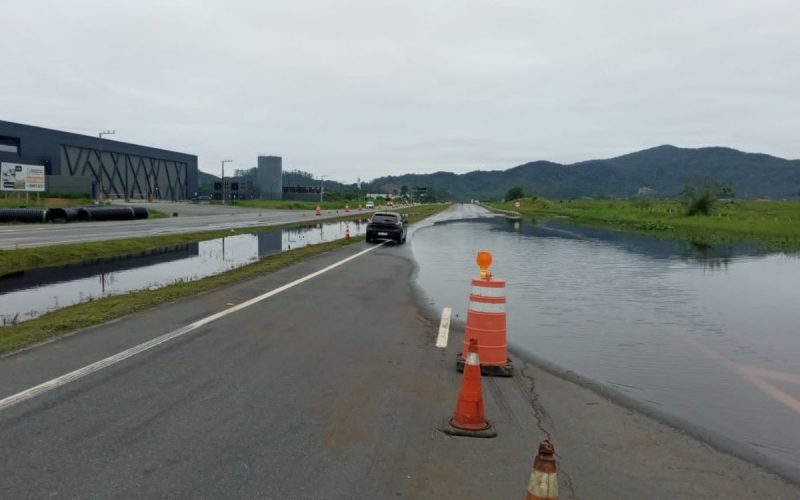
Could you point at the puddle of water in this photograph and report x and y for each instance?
(692, 332)
(28, 294)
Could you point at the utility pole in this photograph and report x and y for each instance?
(223, 179)
(100, 135)
(321, 188)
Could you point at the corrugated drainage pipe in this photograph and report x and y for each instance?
(110, 213)
(62, 214)
(23, 215)
(140, 213)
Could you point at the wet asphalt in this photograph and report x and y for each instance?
(331, 389)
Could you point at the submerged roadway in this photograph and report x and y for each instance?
(319, 382)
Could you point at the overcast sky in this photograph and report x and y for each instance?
(367, 88)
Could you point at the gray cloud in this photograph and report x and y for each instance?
(366, 88)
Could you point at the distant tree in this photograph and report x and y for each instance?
(701, 200)
(430, 195)
(726, 190)
(515, 193)
(404, 190)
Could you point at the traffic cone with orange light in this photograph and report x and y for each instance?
(469, 419)
(486, 322)
(543, 484)
(318, 211)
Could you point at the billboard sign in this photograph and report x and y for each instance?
(19, 177)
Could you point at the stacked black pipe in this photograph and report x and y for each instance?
(140, 213)
(62, 214)
(109, 213)
(98, 213)
(23, 214)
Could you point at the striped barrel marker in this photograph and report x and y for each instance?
(486, 322)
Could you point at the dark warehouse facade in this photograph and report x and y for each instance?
(77, 163)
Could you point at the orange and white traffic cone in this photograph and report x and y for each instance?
(347, 231)
(486, 322)
(469, 419)
(318, 212)
(543, 484)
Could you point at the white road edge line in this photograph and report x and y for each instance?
(133, 351)
(444, 328)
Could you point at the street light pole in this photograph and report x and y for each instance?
(321, 188)
(223, 179)
(100, 148)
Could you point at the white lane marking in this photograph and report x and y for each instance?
(133, 351)
(444, 328)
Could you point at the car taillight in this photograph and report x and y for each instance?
(397, 223)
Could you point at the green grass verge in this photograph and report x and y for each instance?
(155, 214)
(101, 310)
(16, 202)
(773, 224)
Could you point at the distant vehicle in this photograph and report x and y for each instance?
(370, 204)
(198, 199)
(387, 226)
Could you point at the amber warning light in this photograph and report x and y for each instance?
(484, 260)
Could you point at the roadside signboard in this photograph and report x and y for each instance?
(20, 177)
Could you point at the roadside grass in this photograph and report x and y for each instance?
(773, 224)
(156, 214)
(42, 202)
(99, 311)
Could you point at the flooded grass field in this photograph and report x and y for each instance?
(707, 336)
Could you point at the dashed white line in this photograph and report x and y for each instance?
(116, 358)
(444, 328)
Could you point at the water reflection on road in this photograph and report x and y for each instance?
(31, 293)
(708, 335)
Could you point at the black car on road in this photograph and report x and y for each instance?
(386, 226)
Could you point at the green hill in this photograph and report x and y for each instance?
(663, 169)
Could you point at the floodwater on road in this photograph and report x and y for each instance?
(708, 337)
(28, 294)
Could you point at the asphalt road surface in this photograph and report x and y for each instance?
(330, 388)
(190, 219)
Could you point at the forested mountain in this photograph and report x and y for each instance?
(663, 171)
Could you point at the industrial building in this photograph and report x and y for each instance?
(270, 177)
(97, 166)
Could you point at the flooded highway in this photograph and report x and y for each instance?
(31, 293)
(706, 337)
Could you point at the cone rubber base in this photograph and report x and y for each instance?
(506, 370)
(448, 428)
